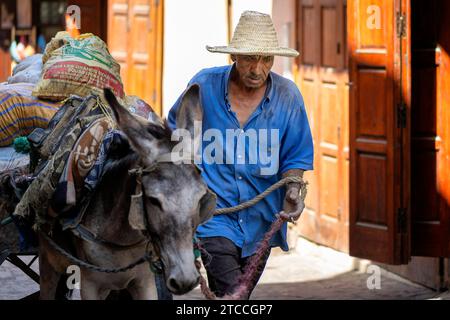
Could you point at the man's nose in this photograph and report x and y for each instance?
(256, 67)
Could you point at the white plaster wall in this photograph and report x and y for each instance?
(188, 27)
(239, 6)
(283, 16)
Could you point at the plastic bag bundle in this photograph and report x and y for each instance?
(27, 71)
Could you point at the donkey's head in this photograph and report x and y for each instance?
(175, 198)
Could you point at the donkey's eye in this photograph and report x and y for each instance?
(155, 202)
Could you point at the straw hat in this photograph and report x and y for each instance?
(255, 35)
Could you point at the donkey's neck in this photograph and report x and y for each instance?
(109, 214)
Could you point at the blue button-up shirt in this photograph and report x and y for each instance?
(275, 138)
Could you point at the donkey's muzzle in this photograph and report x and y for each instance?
(182, 285)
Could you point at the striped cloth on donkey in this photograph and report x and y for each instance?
(21, 113)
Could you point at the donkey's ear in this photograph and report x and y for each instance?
(207, 206)
(190, 109)
(143, 136)
(119, 111)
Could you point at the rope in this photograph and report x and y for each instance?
(248, 278)
(84, 264)
(203, 285)
(264, 194)
(106, 112)
(249, 274)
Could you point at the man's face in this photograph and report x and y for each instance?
(253, 70)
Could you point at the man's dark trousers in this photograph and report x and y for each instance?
(225, 266)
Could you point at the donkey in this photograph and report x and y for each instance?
(175, 201)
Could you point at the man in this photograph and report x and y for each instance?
(250, 101)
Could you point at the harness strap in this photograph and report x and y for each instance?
(147, 257)
(84, 233)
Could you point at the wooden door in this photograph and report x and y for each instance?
(443, 81)
(379, 42)
(5, 60)
(7, 9)
(93, 16)
(135, 41)
(323, 78)
(118, 27)
(430, 185)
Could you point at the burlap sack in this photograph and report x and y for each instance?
(77, 66)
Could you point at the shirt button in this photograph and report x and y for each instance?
(240, 178)
(241, 221)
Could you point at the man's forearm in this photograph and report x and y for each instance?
(293, 173)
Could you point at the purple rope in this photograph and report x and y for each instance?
(250, 272)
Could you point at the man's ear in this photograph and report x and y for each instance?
(144, 136)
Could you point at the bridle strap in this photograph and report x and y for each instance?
(139, 172)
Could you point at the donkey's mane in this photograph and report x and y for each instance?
(123, 157)
(160, 132)
(115, 166)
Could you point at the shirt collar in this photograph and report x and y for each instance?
(269, 89)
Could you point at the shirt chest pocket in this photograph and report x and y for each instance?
(267, 163)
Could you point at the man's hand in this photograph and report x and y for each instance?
(293, 205)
